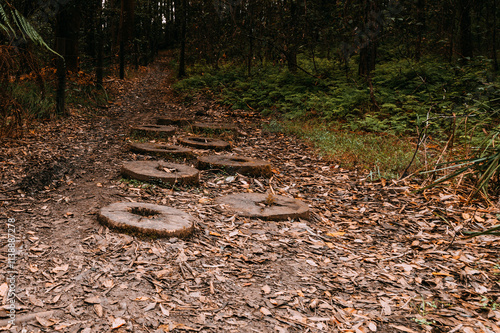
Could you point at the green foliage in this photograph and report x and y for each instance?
(457, 104)
(385, 156)
(28, 95)
(484, 167)
(13, 23)
(275, 90)
(405, 90)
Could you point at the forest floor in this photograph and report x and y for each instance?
(372, 257)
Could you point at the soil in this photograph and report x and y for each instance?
(373, 256)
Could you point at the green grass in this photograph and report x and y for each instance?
(382, 156)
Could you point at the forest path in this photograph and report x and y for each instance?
(372, 256)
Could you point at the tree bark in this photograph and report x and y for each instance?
(465, 28)
(420, 28)
(182, 57)
(494, 38)
(126, 31)
(68, 21)
(368, 43)
(100, 45)
(291, 47)
(61, 78)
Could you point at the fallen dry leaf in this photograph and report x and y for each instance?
(118, 322)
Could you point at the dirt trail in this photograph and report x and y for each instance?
(372, 256)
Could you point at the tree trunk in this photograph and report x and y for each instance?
(367, 59)
(250, 51)
(494, 38)
(182, 57)
(368, 45)
(61, 78)
(291, 58)
(100, 45)
(291, 47)
(420, 28)
(126, 31)
(465, 28)
(67, 30)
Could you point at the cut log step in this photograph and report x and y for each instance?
(265, 206)
(160, 172)
(204, 143)
(147, 219)
(161, 149)
(233, 164)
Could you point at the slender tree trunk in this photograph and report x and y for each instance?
(122, 60)
(368, 47)
(420, 28)
(250, 51)
(67, 31)
(182, 57)
(68, 21)
(126, 31)
(494, 38)
(90, 27)
(291, 51)
(291, 57)
(465, 28)
(61, 78)
(100, 45)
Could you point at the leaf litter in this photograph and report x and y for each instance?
(373, 257)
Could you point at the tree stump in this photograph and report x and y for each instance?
(153, 131)
(204, 143)
(160, 172)
(265, 206)
(147, 219)
(233, 164)
(160, 149)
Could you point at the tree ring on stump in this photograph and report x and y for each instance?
(265, 206)
(214, 128)
(160, 172)
(172, 120)
(160, 149)
(153, 131)
(232, 164)
(147, 219)
(204, 143)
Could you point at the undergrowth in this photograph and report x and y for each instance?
(455, 104)
(33, 96)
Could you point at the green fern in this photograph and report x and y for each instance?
(12, 23)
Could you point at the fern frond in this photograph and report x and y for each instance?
(7, 27)
(13, 17)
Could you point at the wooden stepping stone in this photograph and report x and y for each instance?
(153, 131)
(147, 219)
(204, 143)
(160, 149)
(160, 172)
(214, 128)
(265, 206)
(233, 164)
(179, 121)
